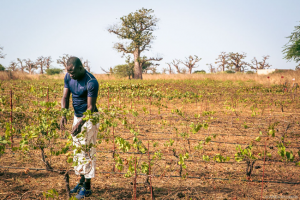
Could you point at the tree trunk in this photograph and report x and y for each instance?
(42, 72)
(137, 70)
(190, 70)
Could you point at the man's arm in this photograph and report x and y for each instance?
(65, 99)
(91, 105)
(64, 104)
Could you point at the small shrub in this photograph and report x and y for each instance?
(2, 68)
(230, 72)
(279, 71)
(250, 72)
(53, 71)
(199, 72)
(124, 70)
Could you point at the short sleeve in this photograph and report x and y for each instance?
(93, 88)
(66, 80)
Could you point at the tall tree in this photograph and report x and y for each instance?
(13, 66)
(222, 60)
(236, 61)
(85, 64)
(136, 27)
(41, 61)
(170, 70)
(63, 60)
(1, 54)
(211, 68)
(260, 65)
(292, 48)
(190, 62)
(22, 67)
(48, 61)
(176, 63)
(30, 66)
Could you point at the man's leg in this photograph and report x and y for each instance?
(79, 185)
(76, 157)
(87, 184)
(86, 161)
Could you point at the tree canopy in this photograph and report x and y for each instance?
(1, 54)
(292, 48)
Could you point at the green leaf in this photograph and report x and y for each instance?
(258, 139)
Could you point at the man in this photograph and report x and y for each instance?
(84, 88)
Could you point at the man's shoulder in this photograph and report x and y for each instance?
(67, 77)
(91, 77)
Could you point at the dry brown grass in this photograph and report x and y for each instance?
(262, 79)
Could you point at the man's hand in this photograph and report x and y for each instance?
(77, 127)
(63, 122)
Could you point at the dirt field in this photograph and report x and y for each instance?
(193, 129)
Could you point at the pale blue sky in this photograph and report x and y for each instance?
(33, 28)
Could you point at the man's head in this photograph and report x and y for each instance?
(75, 68)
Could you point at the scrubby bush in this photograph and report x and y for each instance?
(2, 68)
(279, 71)
(199, 72)
(125, 70)
(53, 71)
(229, 72)
(250, 72)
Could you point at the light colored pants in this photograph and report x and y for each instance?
(86, 160)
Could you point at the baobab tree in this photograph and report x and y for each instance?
(13, 66)
(222, 60)
(136, 27)
(170, 70)
(211, 68)
(260, 65)
(235, 60)
(63, 60)
(41, 61)
(176, 63)
(85, 64)
(48, 61)
(21, 67)
(190, 62)
(30, 66)
(1, 54)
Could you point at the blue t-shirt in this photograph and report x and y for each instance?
(82, 89)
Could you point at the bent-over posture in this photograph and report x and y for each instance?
(84, 88)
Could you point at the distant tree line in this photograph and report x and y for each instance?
(234, 62)
(43, 64)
